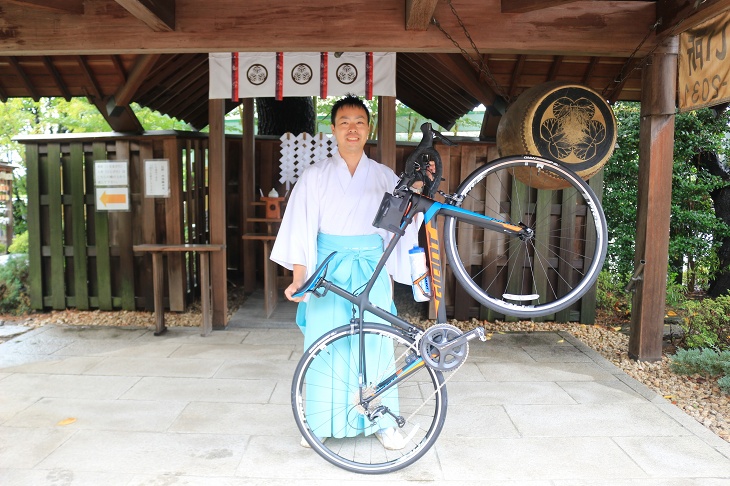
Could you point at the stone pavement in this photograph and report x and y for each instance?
(112, 406)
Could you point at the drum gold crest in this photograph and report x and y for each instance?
(559, 121)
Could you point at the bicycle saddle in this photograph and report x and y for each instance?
(316, 278)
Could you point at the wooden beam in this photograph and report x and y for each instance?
(95, 91)
(159, 15)
(217, 211)
(523, 6)
(26, 80)
(589, 70)
(555, 67)
(123, 121)
(386, 131)
(656, 149)
(57, 77)
(419, 13)
(515, 78)
(613, 92)
(679, 15)
(57, 6)
(465, 74)
(128, 90)
(581, 28)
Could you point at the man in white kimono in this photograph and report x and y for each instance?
(331, 208)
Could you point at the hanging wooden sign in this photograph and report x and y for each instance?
(704, 64)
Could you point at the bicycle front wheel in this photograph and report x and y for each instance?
(544, 271)
(332, 417)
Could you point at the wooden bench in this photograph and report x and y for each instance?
(158, 280)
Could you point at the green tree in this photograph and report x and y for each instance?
(696, 231)
(23, 116)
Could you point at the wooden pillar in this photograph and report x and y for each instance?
(248, 188)
(217, 211)
(386, 131)
(656, 144)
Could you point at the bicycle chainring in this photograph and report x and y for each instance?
(449, 358)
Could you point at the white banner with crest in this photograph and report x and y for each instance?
(278, 74)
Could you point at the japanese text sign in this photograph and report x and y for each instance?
(704, 64)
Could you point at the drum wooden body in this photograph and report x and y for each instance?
(559, 121)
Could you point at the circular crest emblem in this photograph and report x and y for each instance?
(574, 126)
(346, 73)
(301, 74)
(257, 74)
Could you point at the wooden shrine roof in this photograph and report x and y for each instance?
(452, 54)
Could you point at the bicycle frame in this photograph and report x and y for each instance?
(416, 204)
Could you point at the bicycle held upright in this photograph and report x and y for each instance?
(515, 249)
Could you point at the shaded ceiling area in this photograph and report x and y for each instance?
(177, 84)
(448, 61)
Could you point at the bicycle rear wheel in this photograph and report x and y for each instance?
(326, 400)
(537, 275)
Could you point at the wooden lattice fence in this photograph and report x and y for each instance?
(81, 257)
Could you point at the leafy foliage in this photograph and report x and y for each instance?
(610, 294)
(14, 297)
(695, 230)
(707, 323)
(707, 362)
(20, 243)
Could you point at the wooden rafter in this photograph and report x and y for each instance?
(516, 73)
(523, 6)
(95, 91)
(21, 73)
(125, 94)
(57, 6)
(48, 63)
(205, 27)
(679, 15)
(613, 92)
(589, 70)
(555, 67)
(467, 77)
(119, 67)
(159, 15)
(419, 13)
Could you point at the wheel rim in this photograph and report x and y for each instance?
(554, 267)
(364, 453)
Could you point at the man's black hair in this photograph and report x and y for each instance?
(349, 100)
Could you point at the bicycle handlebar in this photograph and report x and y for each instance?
(418, 167)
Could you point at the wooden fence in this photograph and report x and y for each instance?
(82, 258)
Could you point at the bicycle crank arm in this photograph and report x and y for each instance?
(477, 332)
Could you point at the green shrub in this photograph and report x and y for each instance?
(609, 293)
(707, 323)
(707, 362)
(724, 383)
(676, 292)
(701, 361)
(19, 244)
(14, 298)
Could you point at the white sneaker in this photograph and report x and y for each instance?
(391, 439)
(304, 442)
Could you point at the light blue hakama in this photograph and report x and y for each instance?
(332, 379)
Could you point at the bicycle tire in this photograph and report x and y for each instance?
(536, 276)
(421, 400)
